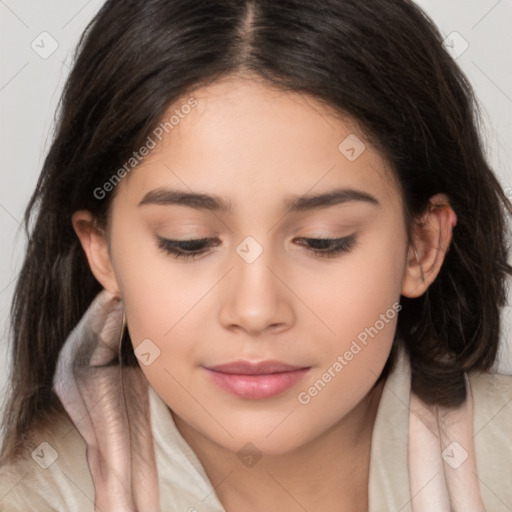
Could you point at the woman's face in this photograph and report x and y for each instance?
(266, 165)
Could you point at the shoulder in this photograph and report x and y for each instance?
(492, 411)
(52, 473)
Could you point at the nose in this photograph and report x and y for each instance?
(256, 297)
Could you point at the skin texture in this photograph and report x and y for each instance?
(256, 146)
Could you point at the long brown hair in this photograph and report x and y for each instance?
(382, 62)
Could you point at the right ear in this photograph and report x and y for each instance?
(94, 243)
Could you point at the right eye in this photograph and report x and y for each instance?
(186, 249)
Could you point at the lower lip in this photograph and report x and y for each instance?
(256, 387)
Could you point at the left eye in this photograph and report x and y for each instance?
(186, 249)
(330, 247)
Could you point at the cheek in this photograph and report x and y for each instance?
(359, 306)
(360, 288)
(159, 297)
(157, 290)
(160, 327)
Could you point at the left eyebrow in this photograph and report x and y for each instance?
(163, 196)
(332, 198)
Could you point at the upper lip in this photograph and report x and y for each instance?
(255, 368)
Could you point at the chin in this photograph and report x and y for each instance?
(269, 437)
(256, 444)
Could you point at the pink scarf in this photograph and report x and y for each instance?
(109, 405)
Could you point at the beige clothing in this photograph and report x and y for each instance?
(66, 484)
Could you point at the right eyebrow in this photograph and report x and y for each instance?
(164, 196)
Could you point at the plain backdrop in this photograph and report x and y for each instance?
(37, 40)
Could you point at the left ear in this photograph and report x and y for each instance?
(431, 240)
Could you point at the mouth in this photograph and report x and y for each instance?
(256, 381)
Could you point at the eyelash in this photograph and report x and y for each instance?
(182, 249)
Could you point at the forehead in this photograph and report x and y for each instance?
(243, 138)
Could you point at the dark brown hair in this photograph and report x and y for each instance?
(381, 62)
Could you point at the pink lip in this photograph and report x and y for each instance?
(256, 380)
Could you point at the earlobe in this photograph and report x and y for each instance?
(94, 243)
(432, 238)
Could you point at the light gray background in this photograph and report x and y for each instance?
(30, 87)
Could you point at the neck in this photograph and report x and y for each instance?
(330, 472)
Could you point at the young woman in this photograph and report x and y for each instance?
(265, 271)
